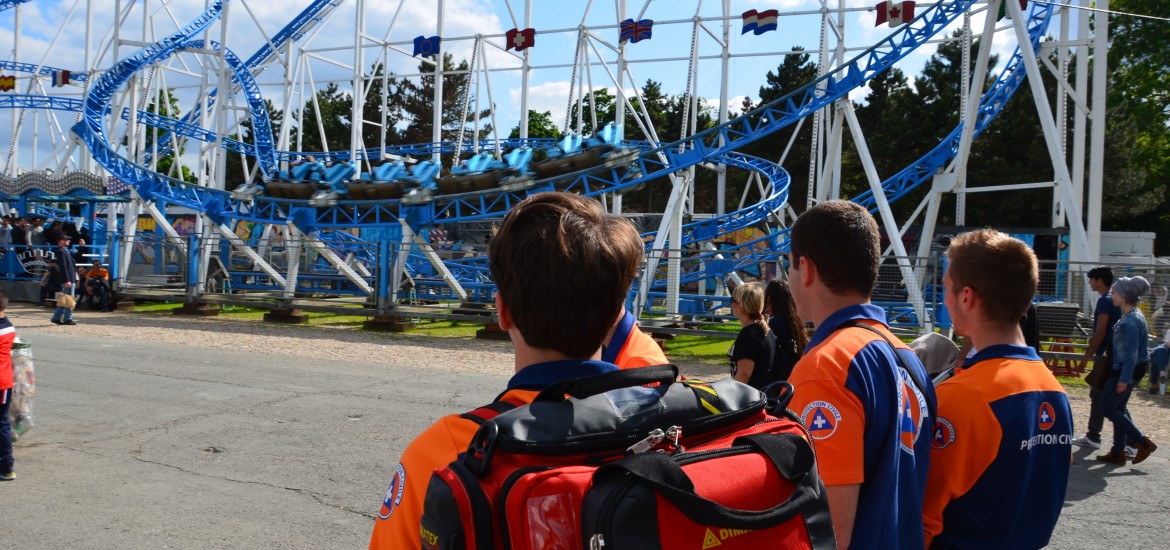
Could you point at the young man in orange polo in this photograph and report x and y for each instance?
(863, 394)
(1003, 439)
(562, 269)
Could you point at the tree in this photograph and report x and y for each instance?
(416, 102)
(166, 104)
(540, 125)
(600, 99)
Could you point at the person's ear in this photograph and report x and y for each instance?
(505, 316)
(808, 271)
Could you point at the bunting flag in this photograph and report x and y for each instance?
(766, 21)
(636, 31)
(7, 83)
(894, 13)
(520, 40)
(60, 78)
(1003, 11)
(426, 47)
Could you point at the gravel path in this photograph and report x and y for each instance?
(411, 350)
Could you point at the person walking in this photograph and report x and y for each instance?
(1105, 315)
(68, 281)
(1130, 360)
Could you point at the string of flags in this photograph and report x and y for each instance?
(636, 31)
(520, 40)
(426, 46)
(894, 13)
(61, 78)
(759, 22)
(1003, 11)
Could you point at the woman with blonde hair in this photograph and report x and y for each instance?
(753, 352)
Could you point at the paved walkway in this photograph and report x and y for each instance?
(140, 445)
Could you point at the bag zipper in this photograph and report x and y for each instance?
(502, 501)
(481, 510)
(623, 441)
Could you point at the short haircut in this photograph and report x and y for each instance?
(1103, 273)
(563, 268)
(1001, 269)
(841, 238)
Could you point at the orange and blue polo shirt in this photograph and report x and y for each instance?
(630, 347)
(396, 525)
(1001, 453)
(870, 421)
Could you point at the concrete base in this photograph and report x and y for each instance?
(286, 316)
(492, 332)
(389, 324)
(194, 308)
(472, 308)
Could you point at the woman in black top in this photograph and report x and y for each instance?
(791, 336)
(753, 352)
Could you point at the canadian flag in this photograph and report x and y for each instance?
(520, 40)
(894, 13)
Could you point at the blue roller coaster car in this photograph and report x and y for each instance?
(574, 153)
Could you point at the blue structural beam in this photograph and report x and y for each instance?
(8, 4)
(19, 67)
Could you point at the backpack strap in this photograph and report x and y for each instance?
(901, 361)
(488, 412)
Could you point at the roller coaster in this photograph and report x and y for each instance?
(359, 225)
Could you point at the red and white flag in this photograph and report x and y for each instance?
(520, 40)
(894, 13)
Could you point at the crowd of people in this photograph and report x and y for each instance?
(979, 461)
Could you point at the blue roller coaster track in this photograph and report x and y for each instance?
(716, 145)
(651, 164)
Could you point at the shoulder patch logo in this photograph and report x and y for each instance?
(821, 418)
(1046, 416)
(944, 434)
(394, 493)
(914, 412)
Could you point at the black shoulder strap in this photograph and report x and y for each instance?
(488, 412)
(901, 362)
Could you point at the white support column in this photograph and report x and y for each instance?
(671, 216)
(440, 267)
(293, 245)
(913, 289)
(1097, 137)
(965, 100)
(338, 263)
(725, 67)
(1080, 248)
(437, 102)
(525, 71)
(399, 269)
(239, 244)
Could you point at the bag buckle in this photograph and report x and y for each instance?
(478, 457)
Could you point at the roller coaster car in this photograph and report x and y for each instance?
(336, 177)
(574, 153)
(247, 192)
(479, 172)
(381, 184)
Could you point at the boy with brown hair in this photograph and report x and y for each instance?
(863, 394)
(562, 268)
(1002, 442)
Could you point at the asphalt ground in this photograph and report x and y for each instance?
(149, 445)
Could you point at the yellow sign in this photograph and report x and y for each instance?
(146, 224)
(710, 540)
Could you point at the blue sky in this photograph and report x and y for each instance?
(250, 20)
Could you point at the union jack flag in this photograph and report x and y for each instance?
(636, 31)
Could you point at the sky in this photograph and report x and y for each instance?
(54, 32)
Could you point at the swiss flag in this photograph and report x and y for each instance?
(520, 40)
(894, 13)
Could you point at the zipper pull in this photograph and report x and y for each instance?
(597, 542)
(650, 442)
(675, 433)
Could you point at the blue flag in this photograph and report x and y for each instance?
(426, 47)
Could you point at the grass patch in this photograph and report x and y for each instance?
(703, 349)
(446, 329)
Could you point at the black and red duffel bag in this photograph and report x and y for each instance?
(620, 465)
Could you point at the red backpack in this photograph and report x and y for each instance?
(620, 465)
